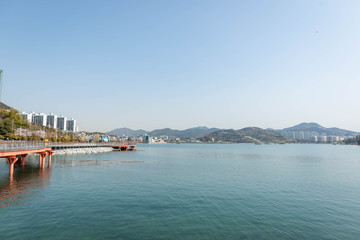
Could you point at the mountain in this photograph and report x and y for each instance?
(246, 135)
(304, 126)
(165, 132)
(230, 135)
(127, 132)
(314, 127)
(196, 132)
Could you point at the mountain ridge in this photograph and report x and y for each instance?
(127, 132)
(202, 131)
(195, 132)
(246, 135)
(315, 127)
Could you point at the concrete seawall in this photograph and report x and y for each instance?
(74, 151)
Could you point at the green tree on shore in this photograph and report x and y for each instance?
(10, 120)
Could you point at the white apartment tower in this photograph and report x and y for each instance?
(27, 116)
(71, 125)
(61, 122)
(51, 120)
(39, 118)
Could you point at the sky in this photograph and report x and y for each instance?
(183, 63)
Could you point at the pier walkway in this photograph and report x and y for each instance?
(12, 151)
(119, 145)
(15, 150)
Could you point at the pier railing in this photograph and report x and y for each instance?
(94, 144)
(6, 146)
(28, 145)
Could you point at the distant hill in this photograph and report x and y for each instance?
(304, 126)
(314, 127)
(127, 132)
(246, 135)
(4, 106)
(196, 132)
(230, 135)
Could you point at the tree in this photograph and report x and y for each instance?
(10, 120)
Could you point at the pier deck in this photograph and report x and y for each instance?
(15, 150)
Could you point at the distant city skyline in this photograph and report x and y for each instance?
(181, 64)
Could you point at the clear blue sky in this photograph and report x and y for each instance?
(179, 64)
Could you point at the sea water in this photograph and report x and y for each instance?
(187, 191)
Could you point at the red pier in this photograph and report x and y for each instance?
(13, 151)
(124, 147)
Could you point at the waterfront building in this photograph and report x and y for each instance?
(299, 135)
(307, 136)
(51, 120)
(71, 125)
(26, 116)
(292, 135)
(331, 139)
(314, 138)
(39, 118)
(61, 122)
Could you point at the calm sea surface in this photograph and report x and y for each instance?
(187, 191)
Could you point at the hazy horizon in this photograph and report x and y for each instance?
(181, 64)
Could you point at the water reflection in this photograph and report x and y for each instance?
(27, 180)
(65, 161)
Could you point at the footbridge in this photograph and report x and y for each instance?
(13, 151)
(118, 145)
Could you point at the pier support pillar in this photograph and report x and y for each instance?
(11, 160)
(42, 156)
(23, 159)
(40, 160)
(50, 153)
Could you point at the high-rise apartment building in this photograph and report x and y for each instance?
(61, 122)
(71, 125)
(27, 116)
(39, 118)
(51, 120)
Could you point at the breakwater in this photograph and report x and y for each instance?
(76, 151)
